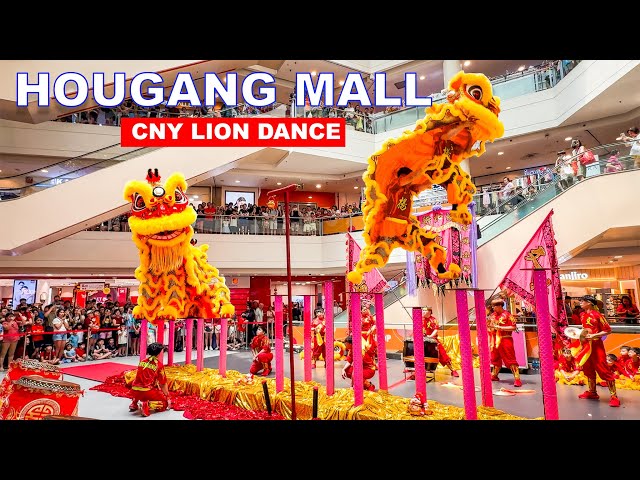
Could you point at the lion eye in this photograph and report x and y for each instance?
(180, 198)
(475, 92)
(138, 203)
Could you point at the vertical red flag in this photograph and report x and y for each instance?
(540, 252)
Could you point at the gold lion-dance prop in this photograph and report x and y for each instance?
(175, 279)
(429, 155)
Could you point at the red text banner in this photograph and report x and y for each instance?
(232, 132)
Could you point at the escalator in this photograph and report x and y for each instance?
(603, 200)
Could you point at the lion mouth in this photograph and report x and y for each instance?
(166, 235)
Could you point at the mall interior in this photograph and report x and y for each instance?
(62, 173)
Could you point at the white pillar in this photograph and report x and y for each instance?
(449, 69)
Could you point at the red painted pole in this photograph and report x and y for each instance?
(286, 190)
(466, 356)
(482, 335)
(356, 342)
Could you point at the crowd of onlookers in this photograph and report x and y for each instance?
(244, 218)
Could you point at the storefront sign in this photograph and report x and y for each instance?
(574, 276)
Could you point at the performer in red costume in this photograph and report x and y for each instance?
(632, 364)
(369, 366)
(318, 329)
(262, 355)
(595, 357)
(501, 326)
(430, 329)
(567, 370)
(368, 327)
(150, 384)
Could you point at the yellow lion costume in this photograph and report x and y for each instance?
(429, 155)
(175, 279)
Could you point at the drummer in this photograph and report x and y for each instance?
(430, 333)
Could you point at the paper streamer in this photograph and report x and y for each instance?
(466, 356)
(308, 346)
(280, 345)
(144, 327)
(418, 354)
(482, 335)
(188, 344)
(199, 344)
(356, 342)
(411, 274)
(545, 345)
(222, 368)
(172, 341)
(328, 337)
(382, 348)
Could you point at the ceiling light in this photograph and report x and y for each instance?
(356, 187)
(318, 185)
(500, 153)
(0, 170)
(313, 74)
(617, 256)
(508, 168)
(279, 183)
(44, 171)
(309, 196)
(521, 68)
(467, 63)
(341, 82)
(422, 77)
(567, 139)
(48, 275)
(196, 197)
(237, 181)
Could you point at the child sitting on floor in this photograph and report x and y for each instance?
(568, 372)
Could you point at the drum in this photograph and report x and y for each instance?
(430, 354)
(27, 366)
(33, 397)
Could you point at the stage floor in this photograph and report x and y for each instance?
(103, 406)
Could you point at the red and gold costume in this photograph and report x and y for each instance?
(369, 365)
(631, 366)
(593, 356)
(430, 329)
(568, 366)
(262, 354)
(501, 344)
(368, 328)
(147, 385)
(318, 329)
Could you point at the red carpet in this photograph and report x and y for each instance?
(96, 371)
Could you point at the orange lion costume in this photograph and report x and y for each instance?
(429, 155)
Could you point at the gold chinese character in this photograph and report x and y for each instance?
(402, 204)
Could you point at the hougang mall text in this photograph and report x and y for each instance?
(72, 89)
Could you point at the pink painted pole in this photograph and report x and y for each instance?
(144, 328)
(222, 365)
(307, 338)
(545, 345)
(380, 339)
(172, 341)
(418, 353)
(466, 355)
(200, 344)
(483, 348)
(356, 336)
(189, 341)
(280, 345)
(328, 337)
(160, 337)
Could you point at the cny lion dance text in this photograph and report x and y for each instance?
(175, 279)
(429, 155)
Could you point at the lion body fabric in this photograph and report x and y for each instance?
(176, 280)
(429, 155)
